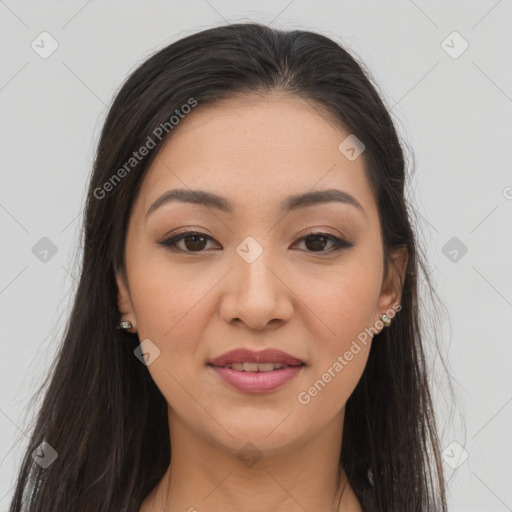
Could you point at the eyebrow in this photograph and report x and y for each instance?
(291, 203)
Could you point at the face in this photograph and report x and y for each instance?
(306, 279)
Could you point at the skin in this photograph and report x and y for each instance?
(296, 296)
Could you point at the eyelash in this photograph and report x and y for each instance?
(339, 244)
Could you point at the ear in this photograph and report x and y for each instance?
(391, 292)
(124, 302)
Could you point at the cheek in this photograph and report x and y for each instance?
(346, 304)
(167, 298)
(169, 303)
(328, 391)
(344, 299)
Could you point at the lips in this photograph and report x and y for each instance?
(256, 372)
(267, 356)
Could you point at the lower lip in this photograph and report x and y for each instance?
(257, 382)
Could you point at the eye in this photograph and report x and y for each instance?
(195, 241)
(318, 240)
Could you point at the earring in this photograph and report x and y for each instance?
(124, 324)
(386, 320)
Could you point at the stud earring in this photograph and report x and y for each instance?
(386, 320)
(124, 324)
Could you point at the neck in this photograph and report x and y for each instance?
(204, 476)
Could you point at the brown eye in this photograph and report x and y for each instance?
(316, 242)
(193, 241)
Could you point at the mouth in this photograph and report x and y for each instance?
(256, 367)
(256, 372)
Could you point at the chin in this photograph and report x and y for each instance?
(269, 435)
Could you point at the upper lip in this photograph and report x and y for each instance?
(243, 355)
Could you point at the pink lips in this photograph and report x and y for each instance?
(243, 355)
(254, 381)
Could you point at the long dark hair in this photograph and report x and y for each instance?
(102, 412)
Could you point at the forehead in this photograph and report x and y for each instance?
(257, 150)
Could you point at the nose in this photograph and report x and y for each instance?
(257, 294)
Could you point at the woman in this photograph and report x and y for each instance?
(246, 232)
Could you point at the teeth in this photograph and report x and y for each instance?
(265, 367)
(255, 367)
(250, 367)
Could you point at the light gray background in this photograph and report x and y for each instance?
(453, 112)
